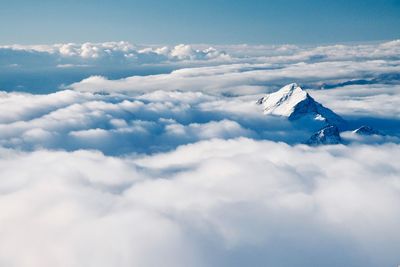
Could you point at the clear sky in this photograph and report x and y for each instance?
(206, 21)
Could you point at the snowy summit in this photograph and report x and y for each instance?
(295, 103)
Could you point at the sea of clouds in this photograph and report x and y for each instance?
(115, 154)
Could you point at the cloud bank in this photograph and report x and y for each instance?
(122, 52)
(44, 68)
(225, 203)
(159, 156)
(162, 120)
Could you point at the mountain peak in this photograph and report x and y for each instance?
(295, 103)
(366, 130)
(283, 101)
(327, 136)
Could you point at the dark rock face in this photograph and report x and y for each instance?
(310, 106)
(303, 108)
(328, 135)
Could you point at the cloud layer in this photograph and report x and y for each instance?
(162, 120)
(121, 52)
(225, 203)
(245, 68)
(159, 156)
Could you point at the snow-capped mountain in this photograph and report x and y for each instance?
(309, 117)
(327, 136)
(293, 102)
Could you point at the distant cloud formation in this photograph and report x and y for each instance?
(253, 69)
(160, 156)
(24, 67)
(127, 53)
(119, 52)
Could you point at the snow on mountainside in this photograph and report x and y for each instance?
(293, 102)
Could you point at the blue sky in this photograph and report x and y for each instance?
(207, 21)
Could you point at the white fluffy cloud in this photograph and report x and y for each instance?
(118, 66)
(120, 51)
(217, 202)
(234, 53)
(161, 120)
(364, 100)
(121, 124)
(242, 79)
